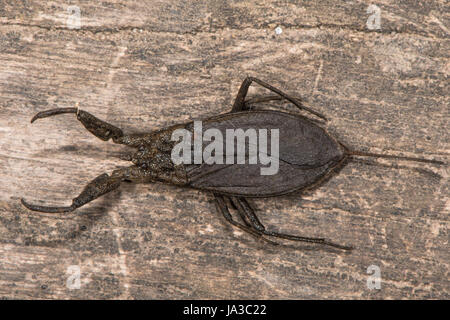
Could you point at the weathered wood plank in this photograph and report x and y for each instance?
(142, 66)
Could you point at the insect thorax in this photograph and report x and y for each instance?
(153, 158)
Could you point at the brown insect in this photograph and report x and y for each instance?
(307, 156)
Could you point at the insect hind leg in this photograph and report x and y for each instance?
(222, 206)
(244, 207)
(97, 127)
(248, 104)
(240, 104)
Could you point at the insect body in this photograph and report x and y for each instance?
(307, 155)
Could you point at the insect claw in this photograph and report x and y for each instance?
(38, 208)
(52, 112)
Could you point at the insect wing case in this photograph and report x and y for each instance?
(306, 154)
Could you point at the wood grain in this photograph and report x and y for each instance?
(144, 65)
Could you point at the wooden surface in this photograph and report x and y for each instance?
(142, 66)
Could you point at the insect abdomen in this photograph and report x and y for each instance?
(306, 154)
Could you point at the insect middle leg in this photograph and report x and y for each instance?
(240, 104)
(96, 188)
